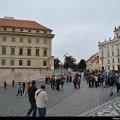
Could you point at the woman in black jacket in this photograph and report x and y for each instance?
(31, 95)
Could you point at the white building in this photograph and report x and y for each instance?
(109, 52)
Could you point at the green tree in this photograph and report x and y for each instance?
(56, 63)
(69, 62)
(82, 64)
(75, 66)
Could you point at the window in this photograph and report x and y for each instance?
(12, 51)
(45, 41)
(45, 52)
(44, 63)
(102, 62)
(102, 54)
(20, 51)
(20, 62)
(29, 40)
(108, 61)
(118, 67)
(113, 60)
(21, 29)
(13, 39)
(4, 39)
(108, 67)
(28, 52)
(29, 30)
(37, 40)
(3, 50)
(118, 51)
(37, 52)
(117, 35)
(112, 53)
(113, 67)
(37, 31)
(108, 54)
(21, 40)
(12, 62)
(45, 32)
(3, 61)
(118, 60)
(28, 63)
(4, 28)
(13, 29)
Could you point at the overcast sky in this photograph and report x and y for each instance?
(78, 25)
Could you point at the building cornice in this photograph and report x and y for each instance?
(27, 34)
(108, 42)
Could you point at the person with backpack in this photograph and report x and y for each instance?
(41, 101)
(19, 89)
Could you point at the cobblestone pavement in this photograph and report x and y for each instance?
(69, 102)
(111, 108)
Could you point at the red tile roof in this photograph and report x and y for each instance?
(22, 24)
(92, 57)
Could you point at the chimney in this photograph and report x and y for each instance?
(6, 17)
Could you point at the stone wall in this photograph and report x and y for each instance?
(22, 74)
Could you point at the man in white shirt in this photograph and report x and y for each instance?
(41, 101)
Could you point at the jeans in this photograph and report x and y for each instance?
(19, 92)
(42, 112)
(33, 108)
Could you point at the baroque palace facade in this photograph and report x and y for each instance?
(109, 52)
(25, 50)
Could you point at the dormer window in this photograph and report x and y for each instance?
(13, 29)
(21, 30)
(45, 32)
(29, 30)
(4, 28)
(37, 31)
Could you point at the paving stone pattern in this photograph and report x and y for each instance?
(69, 102)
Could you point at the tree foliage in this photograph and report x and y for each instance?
(56, 63)
(82, 64)
(69, 62)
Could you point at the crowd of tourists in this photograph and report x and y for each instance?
(38, 97)
(103, 79)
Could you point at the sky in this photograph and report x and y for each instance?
(78, 25)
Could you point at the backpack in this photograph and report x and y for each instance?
(19, 87)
